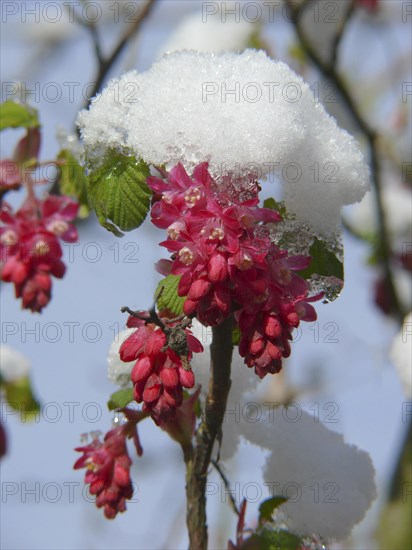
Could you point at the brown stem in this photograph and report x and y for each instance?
(328, 70)
(198, 461)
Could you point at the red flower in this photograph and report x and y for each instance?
(209, 240)
(267, 324)
(108, 471)
(160, 373)
(29, 247)
(227, 262)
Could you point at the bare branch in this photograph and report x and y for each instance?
(105, 64)
(227, 486)
(341, 31)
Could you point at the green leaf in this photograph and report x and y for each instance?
(236, 334)
(168, 297)
(118, 193)
(16, 115)
(73, 180)
(272, 540)
(278, 206)
(20, 397)
(324, 262)
(267, 507)
(120, 399)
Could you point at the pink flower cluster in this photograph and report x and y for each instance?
(227, 263)
(160, 373)
(108, 471)
(30, 252)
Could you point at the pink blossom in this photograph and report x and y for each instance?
(108, 471)
(227, 263)
(30, 250)
(160, 373)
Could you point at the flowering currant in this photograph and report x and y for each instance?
(162, 354)
(108, 471)
(227, 263)
(30, 252)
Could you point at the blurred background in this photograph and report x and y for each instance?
(345, 367)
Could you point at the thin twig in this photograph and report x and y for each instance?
(227, 486)
(97, 48)
(340, 32)
(105, 64)
(90, 26)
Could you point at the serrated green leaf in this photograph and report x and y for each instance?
(120, 399)
(118, 193)
(267, 507)
(168, 297)
(73, 180)
(272, 540)
(16, 115)
(274, 205)
(324, 262)
(20, 397)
